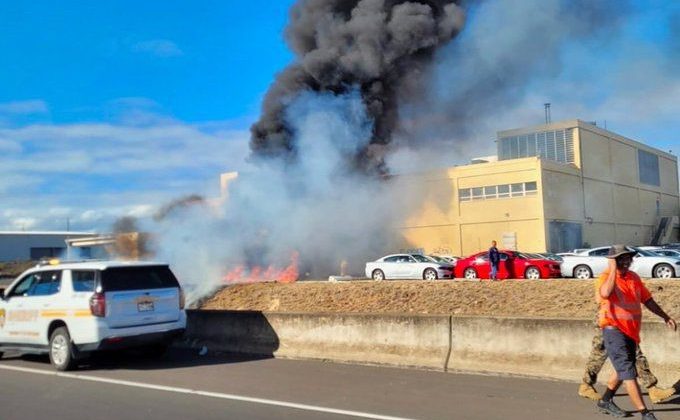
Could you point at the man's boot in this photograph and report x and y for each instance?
(588, 391)
(657, 394)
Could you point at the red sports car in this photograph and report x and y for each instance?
(513, 265)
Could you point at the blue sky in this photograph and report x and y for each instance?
(114, 108)
(199, 60)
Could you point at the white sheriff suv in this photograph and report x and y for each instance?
(70, 309)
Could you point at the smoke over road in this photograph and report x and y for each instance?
(380, 47)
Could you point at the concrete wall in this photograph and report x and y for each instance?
(550, 348)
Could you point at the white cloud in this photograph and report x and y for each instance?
(35, 106)
(158, 47)
(93, 173)
(112, 149)
(23, 223)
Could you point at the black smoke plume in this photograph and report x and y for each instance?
(380, 47)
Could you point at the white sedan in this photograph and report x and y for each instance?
(408, 266)
(592, 262)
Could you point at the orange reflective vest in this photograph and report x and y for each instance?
(623, 308)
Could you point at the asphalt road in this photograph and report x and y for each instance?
(184, 385)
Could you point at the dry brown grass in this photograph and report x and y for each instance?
(531, 298)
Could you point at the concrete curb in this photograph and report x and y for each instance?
(549, 348)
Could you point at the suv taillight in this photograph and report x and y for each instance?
(181, 298)
(98, 304)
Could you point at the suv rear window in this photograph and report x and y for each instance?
(137, 278)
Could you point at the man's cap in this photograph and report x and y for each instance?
(619, 250)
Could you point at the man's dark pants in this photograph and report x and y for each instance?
(621, 351)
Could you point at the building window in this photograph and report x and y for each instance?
(478, 193)
(649, 168)
(491, 192)
(38, 253)
(530, 188)
(517, 190)
(503, 191)
(555, 145)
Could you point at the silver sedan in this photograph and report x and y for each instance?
(408, 266)
(592, 262)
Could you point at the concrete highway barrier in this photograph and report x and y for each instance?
(549, 348)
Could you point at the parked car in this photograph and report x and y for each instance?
(513, 265)
(673, 253)
(448, 258)
(68, 310)
(649, 247)
(591, 263)
(551, 256)
(444, 259)
(408, 266)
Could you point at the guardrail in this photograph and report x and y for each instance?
(549, 348)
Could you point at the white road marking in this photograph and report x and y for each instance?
(233, 397)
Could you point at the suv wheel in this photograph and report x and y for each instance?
(61, 350)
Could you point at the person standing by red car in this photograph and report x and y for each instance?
(494, 260)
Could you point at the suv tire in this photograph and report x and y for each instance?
(61, 350)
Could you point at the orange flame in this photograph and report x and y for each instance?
(257, 274)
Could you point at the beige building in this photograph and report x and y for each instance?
(554, 187)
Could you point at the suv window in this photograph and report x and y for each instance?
(83, 280)
(24, 285)
(44, 283)
(49, 283)
(137, 278)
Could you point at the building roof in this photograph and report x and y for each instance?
(560, 125)
(96, 264)
(45, 233)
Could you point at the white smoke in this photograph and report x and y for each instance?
(317, 207)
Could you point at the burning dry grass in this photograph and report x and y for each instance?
(243, 275)
(555, 298)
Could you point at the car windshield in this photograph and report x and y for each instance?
(421, 258)
(436, 258)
